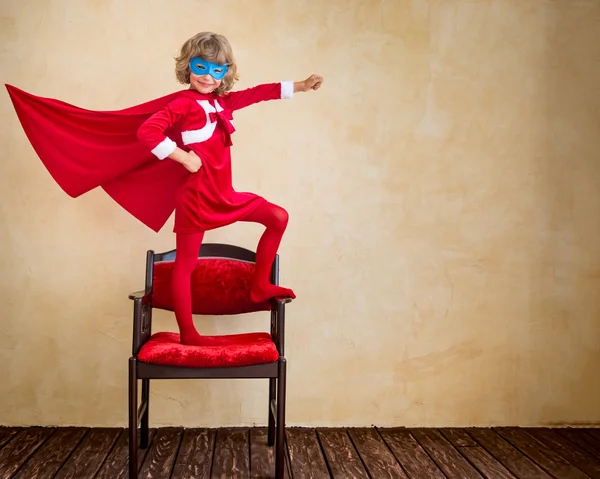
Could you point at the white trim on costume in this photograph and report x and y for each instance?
(287, 90)
(204, 133)
(164, 148)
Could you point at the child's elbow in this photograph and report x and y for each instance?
(142, 133)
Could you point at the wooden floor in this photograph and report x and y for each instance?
(35, 453)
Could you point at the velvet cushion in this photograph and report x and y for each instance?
(219, 286)
(222, 351)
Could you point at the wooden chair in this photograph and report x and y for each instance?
(220, 285)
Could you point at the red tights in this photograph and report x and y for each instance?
(275, 219)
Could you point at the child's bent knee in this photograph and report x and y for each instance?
(280, 218)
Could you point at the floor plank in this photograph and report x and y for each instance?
(376, 456)
(409, 453)
(544, 456)
(306, 458)
(458, 437)
(514, 460)
(90, 454)
(342, 459)
(161, 455)
(231, 458)
(581, 438)
(577, 456)
(262, 457)
(594, 432)
(49, 459)
(195, 454)
(448, 459)
(7, 433)
(489, 467)
(21, 448)
(116, 465)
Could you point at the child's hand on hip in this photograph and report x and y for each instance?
(192, 162)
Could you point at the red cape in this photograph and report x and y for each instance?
(83, 149)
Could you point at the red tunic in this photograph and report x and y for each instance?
(207, 199)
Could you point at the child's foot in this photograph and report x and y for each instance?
(192, 338)
(259, 294)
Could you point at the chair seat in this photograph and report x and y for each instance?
(221, 351)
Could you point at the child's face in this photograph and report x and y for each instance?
(206, 76)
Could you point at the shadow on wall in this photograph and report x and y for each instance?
(565, 283)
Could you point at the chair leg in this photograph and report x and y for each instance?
(145, 416)
(271, 431)
(133, 419)
(280, 442)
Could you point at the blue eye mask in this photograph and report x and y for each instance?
(198, 66)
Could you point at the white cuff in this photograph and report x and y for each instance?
(164, 148)
(287, 89)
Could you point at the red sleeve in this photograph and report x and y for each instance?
(269, 91)
(152, 131)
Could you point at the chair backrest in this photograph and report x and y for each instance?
(220, 282)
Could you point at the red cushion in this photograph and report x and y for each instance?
(219, 286)
(225, 351)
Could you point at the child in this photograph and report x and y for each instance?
(207, 200)
(192, 130)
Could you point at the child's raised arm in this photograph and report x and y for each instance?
(270, 91)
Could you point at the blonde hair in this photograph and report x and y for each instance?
(211, 47)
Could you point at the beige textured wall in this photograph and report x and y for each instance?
(449, 168)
